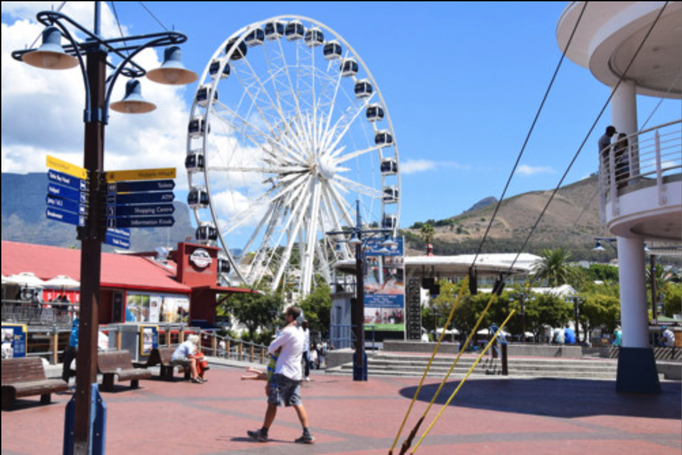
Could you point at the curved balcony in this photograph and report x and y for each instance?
(640, 184)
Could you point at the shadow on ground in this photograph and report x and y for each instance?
(564, 398)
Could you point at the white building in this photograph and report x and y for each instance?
(640, 187)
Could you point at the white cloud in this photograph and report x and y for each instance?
(414, 166)
(43, 110)
(526, 170)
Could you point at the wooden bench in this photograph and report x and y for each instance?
(119, 363)
(24, 377)
(162, 357)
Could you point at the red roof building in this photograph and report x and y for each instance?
(134, 287)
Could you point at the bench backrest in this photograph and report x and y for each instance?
(110, 361)
(165, 355)
(22, 369)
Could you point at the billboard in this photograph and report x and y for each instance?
(384, 285)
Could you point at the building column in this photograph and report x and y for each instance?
(624, 117)
(624, 108)
(636, 363)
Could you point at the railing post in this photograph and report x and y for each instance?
(240, 349)
(662, 199)
(262, 353)
(118, 338)
(169, 335)
(181, 335)
(214, 345)
(612, 180)
(55, 345)
(227, 348)
(505, 363)
(251, 350)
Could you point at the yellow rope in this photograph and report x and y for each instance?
(452, 312)
(447, 403)
(461, 351)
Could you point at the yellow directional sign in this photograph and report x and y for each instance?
(67, 168)
(141, 174)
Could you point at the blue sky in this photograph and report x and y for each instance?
(462, 82)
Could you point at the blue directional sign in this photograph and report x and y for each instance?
(120, 233)
(67, 193)
(141, 222)
(117, 211)
(141, 186)
(67, 180)
(118, 237)
(65, 217)
(66, 205)
(140, 198)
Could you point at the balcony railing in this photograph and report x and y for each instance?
(651, 157)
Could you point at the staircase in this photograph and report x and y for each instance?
(411, 365)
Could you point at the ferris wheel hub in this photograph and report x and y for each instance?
(326, 167)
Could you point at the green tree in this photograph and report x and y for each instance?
(599, 310)
(254, 310)
(672, 300)
(546, 309)
(317, 307)
(554, 268)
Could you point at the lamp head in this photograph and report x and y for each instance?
(355, 240)
(50, 55)
(132, 102)
(172, 71)
(598, 246)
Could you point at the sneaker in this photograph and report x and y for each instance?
(203, 379)
(307, 379)
(306, 438)
(258, 435)
(197, 381)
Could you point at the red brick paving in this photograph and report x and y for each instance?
(510, 416)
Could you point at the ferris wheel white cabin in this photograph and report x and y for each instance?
(214, 69)
(300, 135)
(374, 113)
(194, 161)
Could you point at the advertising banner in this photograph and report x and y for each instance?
(13, 340)
(384, 286)
(149, 339)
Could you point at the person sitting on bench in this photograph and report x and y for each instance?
(186, 356)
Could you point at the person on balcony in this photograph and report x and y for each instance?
(604, 149)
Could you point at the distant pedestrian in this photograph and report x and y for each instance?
(186, 356)
(569, 335)
(306, 350)
(605, 149)
(667, 337)
(559, 337)
(621, 156)
(618, 337)
(71, 351)
(285, 383)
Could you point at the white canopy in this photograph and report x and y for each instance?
(448, 332)
(25, 279)
(488, 332)
(60, 282)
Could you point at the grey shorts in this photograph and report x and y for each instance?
(181, 362)
(283, 389)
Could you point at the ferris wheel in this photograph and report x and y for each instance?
(288, 129)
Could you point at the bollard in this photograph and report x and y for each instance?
(55, 345)
(505, 363)
(251, 351)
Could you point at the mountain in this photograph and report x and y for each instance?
(483, 203)
(572, 221)
(23, 218)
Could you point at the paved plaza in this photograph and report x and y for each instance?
(495, 416)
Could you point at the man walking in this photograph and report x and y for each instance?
(284, 386)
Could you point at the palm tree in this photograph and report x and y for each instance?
(427, 232)
(554, 267)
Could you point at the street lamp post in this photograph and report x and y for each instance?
(91, 56)
(359, 238)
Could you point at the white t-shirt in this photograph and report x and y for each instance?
(183, 351)
(289, 361)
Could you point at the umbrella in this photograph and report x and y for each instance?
(61, 282)
(25, 279)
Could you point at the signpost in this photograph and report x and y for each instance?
(140, 198)
(67, 192)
